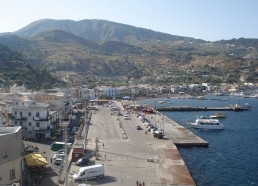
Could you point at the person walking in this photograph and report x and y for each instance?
(143, 183)
(137, 183)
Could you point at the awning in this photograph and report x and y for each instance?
(34, 160)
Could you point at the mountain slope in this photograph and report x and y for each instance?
(100, 30)
(113, 51)
(14, 70)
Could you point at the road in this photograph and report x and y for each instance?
(129, 155)
(125, 159)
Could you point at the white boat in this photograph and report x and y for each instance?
(161, 101)
(253, 96)
(218, 115)
(206, 124)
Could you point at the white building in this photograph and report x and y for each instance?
(86, 93)
(110, 91)
(33, 117)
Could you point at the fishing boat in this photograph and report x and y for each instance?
(206, 124)
(218, 115)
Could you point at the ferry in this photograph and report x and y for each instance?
(206, 124)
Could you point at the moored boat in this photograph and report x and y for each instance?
(218, 115)
(206, 124)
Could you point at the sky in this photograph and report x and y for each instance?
(210, 20)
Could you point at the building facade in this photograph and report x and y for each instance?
(11, 148)
(34, 118)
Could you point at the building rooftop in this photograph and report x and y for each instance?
(8, 130)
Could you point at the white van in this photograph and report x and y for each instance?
(89, 172)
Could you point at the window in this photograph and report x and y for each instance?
(37, 114)
(20, 113)
(29, 123)
(5, 153)
(20, 123)
(29, 114)
(15, 113)
(15, 122)
(12, 174)
(37, 124)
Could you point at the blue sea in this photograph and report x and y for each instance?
(232, 155)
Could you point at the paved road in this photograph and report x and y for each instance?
(125, 156)
(127, 152)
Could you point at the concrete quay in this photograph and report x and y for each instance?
(129, 155)
(191, 108)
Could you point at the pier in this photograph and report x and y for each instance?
(130, 154)
(191, 108)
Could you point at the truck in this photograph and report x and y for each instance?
(60, 145)
(89, 172)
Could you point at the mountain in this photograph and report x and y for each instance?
(15, 70)
(66, 51)
(100, 30)
(111, 49)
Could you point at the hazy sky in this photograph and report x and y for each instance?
(203, 19)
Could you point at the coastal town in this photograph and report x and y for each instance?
(102, 125)
(128, 93)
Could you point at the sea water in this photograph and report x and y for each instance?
(232, 155)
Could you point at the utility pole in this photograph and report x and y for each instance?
(65, 124)
(66, 157)
(163, 125)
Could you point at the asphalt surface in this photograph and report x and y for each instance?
(129, 155)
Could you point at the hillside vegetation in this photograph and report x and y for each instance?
(15, 70)
(111, 49)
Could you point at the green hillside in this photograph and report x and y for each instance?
(111, 49)
(15, 70)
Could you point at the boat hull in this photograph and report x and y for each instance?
(210, 127)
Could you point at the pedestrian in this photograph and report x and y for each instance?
(140, 184)
(51, 159)
(137, 183)
(103, 145)
(143, 183)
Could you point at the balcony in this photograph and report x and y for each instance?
(36, 128)
(35, 118)
(15, 117)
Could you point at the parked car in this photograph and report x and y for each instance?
(74, 130)
(126, 117)
(158, 134)
(150, 128)
(61, 151)
(146, 124)
(83, 161)
(58, 132)
(58, 161)
(153, 130)
(56, 156)
(70, 139)
(30, 149)
(138, 127)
